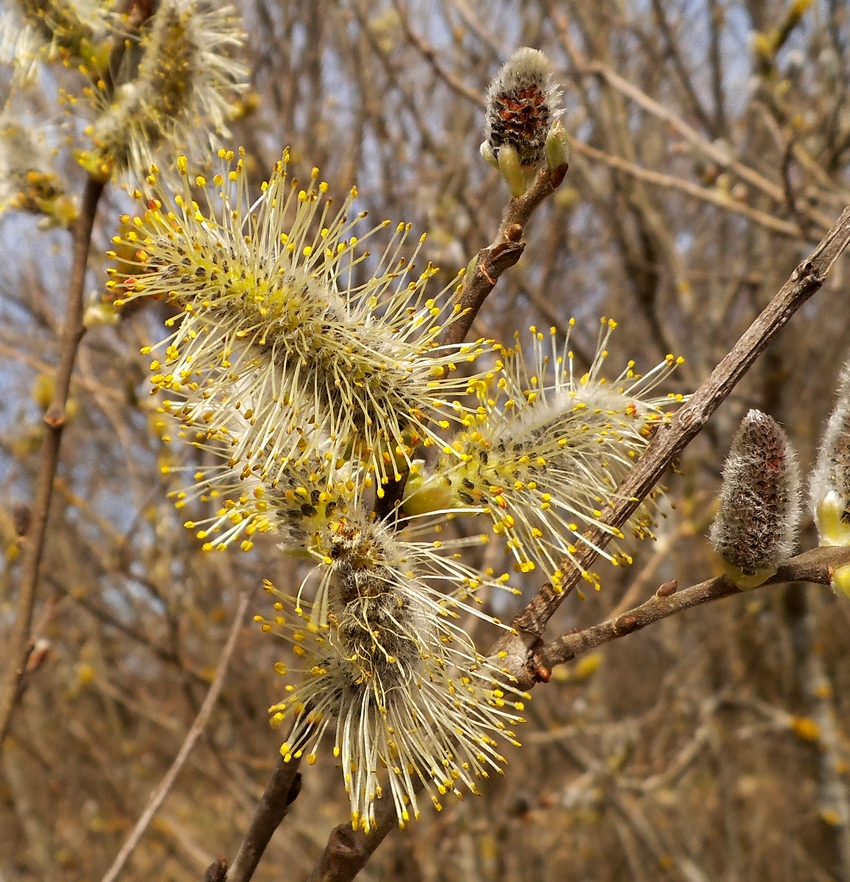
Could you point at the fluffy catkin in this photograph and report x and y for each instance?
(523, 101)
(172, 88)
(521, 123)
(755, 529)
(546, 448)
(279, 354)
(384, 663)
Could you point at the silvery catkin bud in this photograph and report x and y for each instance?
(829, 491)
(523, 103)
(756, 526)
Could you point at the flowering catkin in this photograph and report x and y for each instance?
(380, 655)
(75, 32)
(755, 529)
(542, 458)
(382, 658)
(28, 181)
(279, 353)
(175, 92)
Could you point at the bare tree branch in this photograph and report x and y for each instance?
(281, 791)
(813, 566)
(20, 644)
(165, 785)
(671, 439)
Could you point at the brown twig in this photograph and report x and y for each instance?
(348, 850)
(193, 735)
(713, 196)
(281, 791)
(671, 439)
(20, 643)
(714, 151)
(505, 251)
(813, 566)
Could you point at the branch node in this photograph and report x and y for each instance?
(625, 625)
(55, 416)
(668, 588)
(216, 871)
(541, 672)
(514, 232)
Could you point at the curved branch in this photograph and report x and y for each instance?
(812, 566)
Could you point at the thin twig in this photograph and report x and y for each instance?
(164, 786)
(281, 791)
(813, 566)
(20, 643)
(714, 151)
(505, 251)
(705, 194)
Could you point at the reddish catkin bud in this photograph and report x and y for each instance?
(756, 526)
(523, 102)
(829, 491)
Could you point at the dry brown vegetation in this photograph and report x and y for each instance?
(711, 142)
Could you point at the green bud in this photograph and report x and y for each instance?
(557, 150)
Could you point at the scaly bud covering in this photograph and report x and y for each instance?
(175, 93)
(280, 353)
(523, 102)
(381, 656)
(542, 459)
(830, 483)
(755, 529)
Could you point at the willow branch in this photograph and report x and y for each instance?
(672, 439)
(714, 151)
(813, 566)
(704, 194)
(281, 791)
(20, 642)
(505, 251)
(348, 850)
(164, 786)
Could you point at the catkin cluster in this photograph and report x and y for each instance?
(144, 79)
(312, 374)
